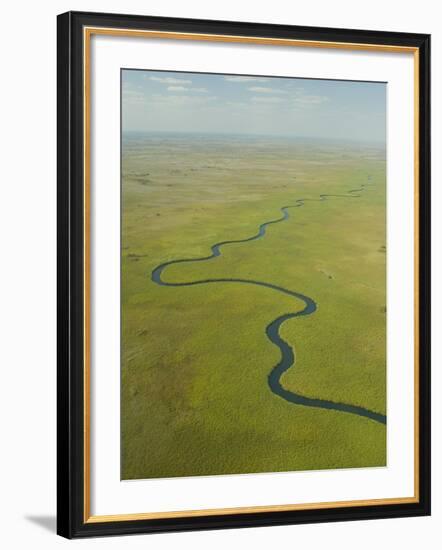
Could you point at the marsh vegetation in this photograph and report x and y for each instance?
(196, 358)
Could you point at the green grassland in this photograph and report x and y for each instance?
(195, 360)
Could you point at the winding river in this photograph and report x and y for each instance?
(288, 357)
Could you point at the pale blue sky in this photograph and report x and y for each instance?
(154, 101)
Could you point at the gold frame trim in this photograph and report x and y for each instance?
(87, 34)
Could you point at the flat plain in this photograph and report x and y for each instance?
(196, 358)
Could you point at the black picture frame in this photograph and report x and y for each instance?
(72, 520)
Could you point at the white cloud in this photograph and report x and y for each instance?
(176, 100)
(132, 95)
(266, 99)
(177, 89)
(309, 100)
(266, 90)
(184, 89)
(232, 78)
(169, 80)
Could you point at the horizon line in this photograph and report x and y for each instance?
(237, 134)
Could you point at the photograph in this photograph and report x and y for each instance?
(222, 255)
(253, 274)
(243, 274)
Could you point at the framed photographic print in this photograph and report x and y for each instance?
(243, 274)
